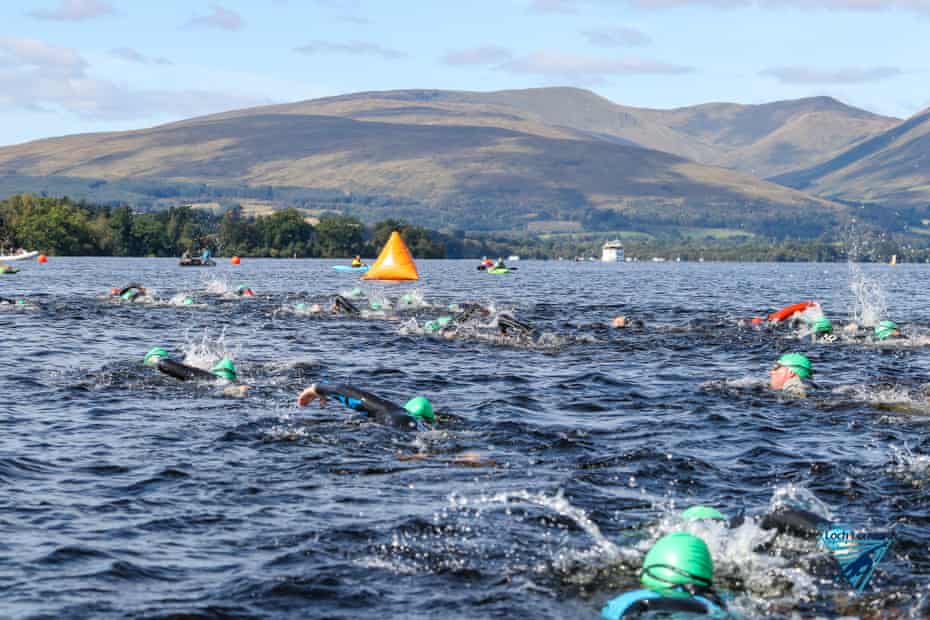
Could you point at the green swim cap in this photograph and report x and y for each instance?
(884, 329)
(188, 301)
(152, 357)
(431, 326)
(355, 292)
(797, 363)
(375, 305)
(21, 302)
(129, 294)
(675, 560)
(822, 326)
(697, 513)
(241, 288)
(407, 298)
(420, 408)
(301, 306)
(225, 369)
(454, 308)
(444, 320)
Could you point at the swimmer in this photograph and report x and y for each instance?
(357, 261)
(677, 576)
(341, 305)
(887, 329)
(130, 292)
(789, 372)
(225, 370)
(821, 330)
(623, 322)
(506, 323)
(5, 301)
(244, 291)
(416, 415)
(784, 519)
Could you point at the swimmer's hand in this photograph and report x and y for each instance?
(309, 395)
(235, 391)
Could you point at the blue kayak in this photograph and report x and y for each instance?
(350, 268)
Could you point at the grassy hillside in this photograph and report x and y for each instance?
(443, 159)
(892, 168)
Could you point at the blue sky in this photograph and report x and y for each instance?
(73, 66)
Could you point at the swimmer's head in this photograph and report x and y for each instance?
(431, 326)
(797, 363)
(114, 291)
(225, 369)
(619, 321)
(301, 307)
(375, 305)
(152, 357)
(21, 302)
(420, 408)
(822, 325)
(677, 560)
(699, 513)
(188, 301)
(886, 329)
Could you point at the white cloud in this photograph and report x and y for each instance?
(75, 10)
(621, 36)
(131, 55)
(586, 69)
(221, 19)
(356, 48)
(554, 6)
(487, 55)
(37, 76)
(849, 75)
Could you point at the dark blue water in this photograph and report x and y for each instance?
(558, 461)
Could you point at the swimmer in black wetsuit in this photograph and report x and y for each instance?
(416, 415)
(225, 370)
(130, 292)
(341, 305)
(5, 301)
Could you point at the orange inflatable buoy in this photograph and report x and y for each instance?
(788, 311)
(235, 260)
(394, 262)
(42, 259)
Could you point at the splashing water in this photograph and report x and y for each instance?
(206, 352)
(870, 305)
(217, 286)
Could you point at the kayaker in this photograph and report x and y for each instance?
(416, 415)
(357, 261)
(224, 370)
(677, 576)
(499, 264)
(789, 372)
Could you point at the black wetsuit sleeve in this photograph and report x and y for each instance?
(507, 323)
(794, 521)
(183, 372)
(129, 287)
(341, 304)
(469, 312)
(384, 411)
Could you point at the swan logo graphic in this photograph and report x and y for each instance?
(857, 551)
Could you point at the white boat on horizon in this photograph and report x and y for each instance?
(612, 251)
(23, 255)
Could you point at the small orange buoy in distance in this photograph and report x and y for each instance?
(42, 259)
(235, 260)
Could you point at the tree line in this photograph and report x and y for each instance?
(59, 226)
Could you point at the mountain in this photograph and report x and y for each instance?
(892, 168)
(537, 159)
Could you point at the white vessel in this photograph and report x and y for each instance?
(22, 255)
(513, 258)
(612, 252)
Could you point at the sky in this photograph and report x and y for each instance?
(76, 66)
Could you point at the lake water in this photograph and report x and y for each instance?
(125, 493)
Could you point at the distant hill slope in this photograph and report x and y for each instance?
(892, 168)
(462, 159)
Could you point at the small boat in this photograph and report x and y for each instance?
(196, 262)
(513, 258)
(361, 269)
(612, 251)
(8, 271)
(499, 271)
(21, 255)
(894, 259)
